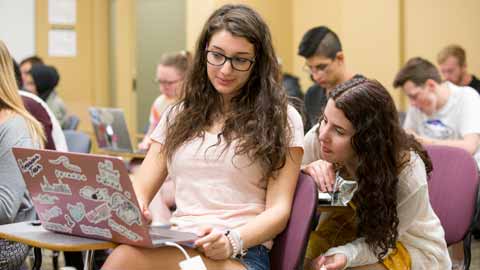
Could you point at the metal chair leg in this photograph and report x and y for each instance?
(87, 264)
(467, 251)
(55, 255)
(37, 263)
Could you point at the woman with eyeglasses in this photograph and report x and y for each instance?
(169, 76)
(233, 147)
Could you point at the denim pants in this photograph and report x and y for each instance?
(257, 258)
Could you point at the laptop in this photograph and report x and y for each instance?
(90, 196)
(111, 130)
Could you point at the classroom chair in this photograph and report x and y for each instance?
(289, 247)
(452, 187)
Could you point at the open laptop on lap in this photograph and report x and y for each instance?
(111, 131)
(90, 196)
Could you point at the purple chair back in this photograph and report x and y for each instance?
(289, 246)
(453, 188)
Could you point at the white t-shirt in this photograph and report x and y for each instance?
(457, 118)
(312, 146)
(57, 132)
(213, 186)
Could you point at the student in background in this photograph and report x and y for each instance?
(441, 113)
(325, 62)
(41, 81)
(170, 73)
(390, 223)
(453, 66)
(26, 65)
(17, 129)
(39, 109)
(233, 147)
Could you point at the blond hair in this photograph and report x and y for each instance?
(11, 100)
(179, 60)
(455, 51)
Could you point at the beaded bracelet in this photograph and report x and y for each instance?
(237, 244)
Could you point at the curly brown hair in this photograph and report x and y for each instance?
(382, 148)
(258, 114)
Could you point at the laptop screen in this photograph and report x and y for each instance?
(110, 129)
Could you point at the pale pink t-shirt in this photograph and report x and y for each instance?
(212, 187)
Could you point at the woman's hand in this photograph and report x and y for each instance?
(145, 212)
(323, 173)
(333, 262)
(214, 244)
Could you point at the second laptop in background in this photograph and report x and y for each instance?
(111, 130)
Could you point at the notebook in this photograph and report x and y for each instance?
(111, 131)
(90, 196)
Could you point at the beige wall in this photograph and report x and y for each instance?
(124, 69)
(432, 24)
(83, 78)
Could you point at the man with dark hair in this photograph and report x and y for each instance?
(325, 62)
(440, 113)
(453, 66)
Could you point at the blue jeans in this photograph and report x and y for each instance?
(257, 258)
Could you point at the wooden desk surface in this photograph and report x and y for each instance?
(37, 236)
(127, 155)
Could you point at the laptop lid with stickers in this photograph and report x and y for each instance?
(88, 195)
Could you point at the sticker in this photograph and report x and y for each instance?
(59, 188)
(45, 198)
(50, 213)
(66, 163)
(108, 176)
(69, 221)
(125, 209)
(99, 214)
(31, 165)
(57, 227)
(90, 230)
(124, 231)
(95, 194)
(77, 211)
(70, 175)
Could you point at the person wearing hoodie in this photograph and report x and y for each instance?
(41, 81)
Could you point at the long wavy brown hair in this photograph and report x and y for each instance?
(382, 149)
(258, 114)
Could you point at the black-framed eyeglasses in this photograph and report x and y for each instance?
(238, 63)
(315, 69)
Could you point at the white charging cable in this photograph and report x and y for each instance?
(194, 263)
(172, 244)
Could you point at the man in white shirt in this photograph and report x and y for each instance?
(440, 113)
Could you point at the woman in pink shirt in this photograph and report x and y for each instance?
(233, 146)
